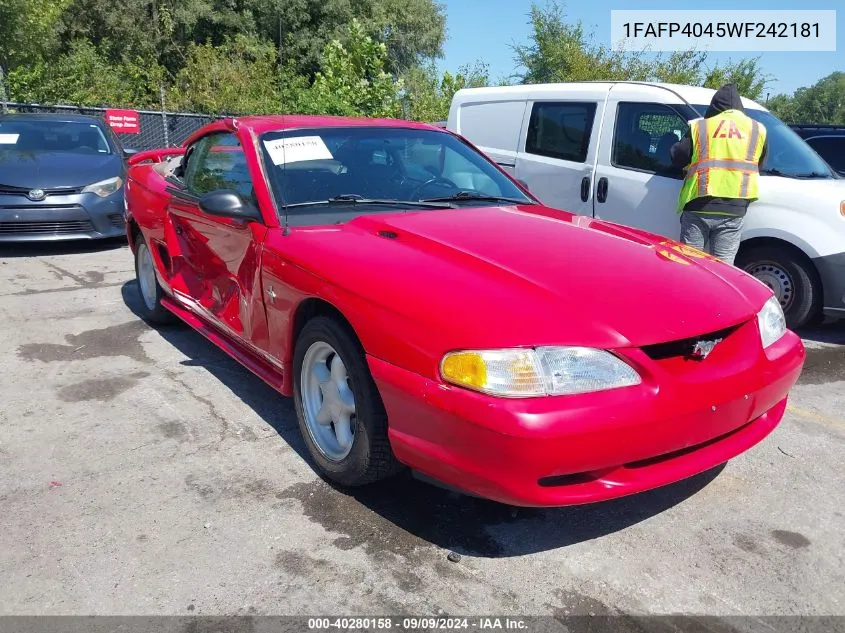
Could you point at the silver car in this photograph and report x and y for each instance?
(61, 178)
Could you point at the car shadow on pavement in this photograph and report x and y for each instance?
(403, 511)
(477, 527)
(832, 333)
(273, 408)
(69, 247)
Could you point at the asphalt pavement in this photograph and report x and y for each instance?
(143, 472)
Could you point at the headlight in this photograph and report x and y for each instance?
(104, 187)
(772, 322)
(544, 371)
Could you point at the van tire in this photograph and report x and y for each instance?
(789, 273)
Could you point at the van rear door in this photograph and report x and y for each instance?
(636, 184)
(492, 125)
(558, 146)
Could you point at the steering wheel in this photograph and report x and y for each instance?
(437, 180)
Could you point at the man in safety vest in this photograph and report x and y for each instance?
(722, 155)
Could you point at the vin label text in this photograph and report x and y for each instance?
(721, 30)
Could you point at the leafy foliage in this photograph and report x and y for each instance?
(353, 80)
(823, 102)
(560, 50)
(428, 95)
(350, 57)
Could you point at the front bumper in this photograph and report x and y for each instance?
(832, 273)
(82, 216)
(593, 447)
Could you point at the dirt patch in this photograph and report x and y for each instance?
(102, 389)
(110, 342)
(173, 430)
(243, 488)
(795, 540)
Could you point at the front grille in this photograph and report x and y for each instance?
(116, 220)
(55, 191)
(46, 228)
(43, 206)
(684, 347)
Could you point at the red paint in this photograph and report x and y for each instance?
(154, 155)
(124, 121)
(486, 278)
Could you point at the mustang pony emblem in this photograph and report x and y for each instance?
(702, 349)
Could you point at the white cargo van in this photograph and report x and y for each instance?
(602, 149)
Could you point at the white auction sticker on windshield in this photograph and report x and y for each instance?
(297, 149)
(9, 139)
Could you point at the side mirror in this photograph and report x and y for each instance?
(127, 152)
(226, 203)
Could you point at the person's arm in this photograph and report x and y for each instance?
(681, 152)
(763, 153)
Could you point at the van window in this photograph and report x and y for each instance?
(561, 130)
(492, 125)
(644, 136)
(832, 149)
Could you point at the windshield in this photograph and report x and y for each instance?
(379, 163)
(787, 154)
(37, 136)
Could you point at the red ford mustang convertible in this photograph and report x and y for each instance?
(425, 311)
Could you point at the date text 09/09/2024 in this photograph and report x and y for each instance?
(722, 29)
(417, 623)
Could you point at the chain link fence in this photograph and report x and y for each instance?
(156, 128)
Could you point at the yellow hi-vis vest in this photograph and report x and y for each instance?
(726, 150)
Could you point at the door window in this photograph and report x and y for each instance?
(561, 130)
(644, 136)
(217, 161)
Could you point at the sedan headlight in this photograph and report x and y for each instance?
(772, 322)
(544, 371)
(105, 187)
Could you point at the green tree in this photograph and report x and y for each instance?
(353, 80)
(784, 107)
(238, 76)
(427, 95)
(410, 29)
(560, 50)
(823, 102)
(83, 76)
(28, 30)
(746, 74)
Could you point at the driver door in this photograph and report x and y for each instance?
(216, 259)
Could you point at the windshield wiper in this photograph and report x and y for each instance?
(355, 199)
(471, 195)
(777, 172)
(813, 174)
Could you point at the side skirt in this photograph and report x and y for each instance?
(233, 348)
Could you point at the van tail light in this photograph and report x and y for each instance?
(842, 208)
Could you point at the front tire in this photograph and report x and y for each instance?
(341, 416)
(791, 277)
(150, 290)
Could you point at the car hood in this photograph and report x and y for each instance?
(45, 170)
(502, 276)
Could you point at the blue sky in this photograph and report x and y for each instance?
(483, 30)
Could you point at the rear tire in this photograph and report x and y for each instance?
(335, 397)
(792, 278)
(150, 290)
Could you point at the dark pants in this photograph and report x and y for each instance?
(718, 235)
